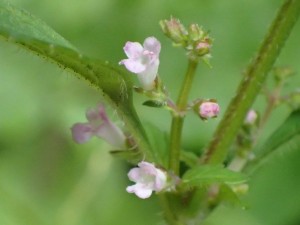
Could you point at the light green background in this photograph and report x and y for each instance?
(45, 178)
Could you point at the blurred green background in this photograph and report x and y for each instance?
(45, 178)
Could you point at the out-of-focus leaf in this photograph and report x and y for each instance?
(228, 195)
(285, 138)
(189, 158)
(19, 27)
(211, 174)
(159, 143)
(131, 156)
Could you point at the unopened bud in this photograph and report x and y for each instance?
(195, 32)
(174, 30)
(208, 109)
(203, 47)
(251, 117)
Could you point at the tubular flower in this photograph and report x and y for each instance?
(98, 125)
(143, 60)
(147, 178)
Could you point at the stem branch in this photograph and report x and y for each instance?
(177, 120)
(252, 82)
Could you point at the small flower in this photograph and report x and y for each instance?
(147, 178)
(208, 110)
(98, 125)
(143, 60)
(251, 117)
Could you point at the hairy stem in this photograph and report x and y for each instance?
(177, 121)
(169, 215)
(252, 82)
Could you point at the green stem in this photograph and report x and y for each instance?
(251, 84)
(177, 121)
(169, 215)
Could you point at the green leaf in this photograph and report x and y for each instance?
(211, 174)
(189, 158)
(159, 142)
(132, 156)
(155, 103)
(285, 138)
(21, 28)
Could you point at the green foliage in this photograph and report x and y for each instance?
(189, 158)
(19, 27)
(286, 138)
(159, 142)
(211, 174)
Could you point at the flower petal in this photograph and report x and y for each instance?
(133, 49)
(134, 174)
(147, 168)
(134, 66)
(153, 45)
(112, 134)
(139, 191)
(160, 180)
(82, 132)
(148, 76)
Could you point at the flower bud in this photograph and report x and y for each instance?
(251, 117)
(174, 30)
(208, 109)
(203, 47)
(195, 32)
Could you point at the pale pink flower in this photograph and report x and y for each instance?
(251, 117)
(98, 125)
(209, 110)
(143, 60)
(147, 178)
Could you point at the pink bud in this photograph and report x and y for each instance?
(209, 110)
(251, 117)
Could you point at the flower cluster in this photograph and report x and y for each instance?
(143, 60)
(194, 40)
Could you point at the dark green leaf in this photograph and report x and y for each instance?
(210, 174)
(19, 27)
(154, 103)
